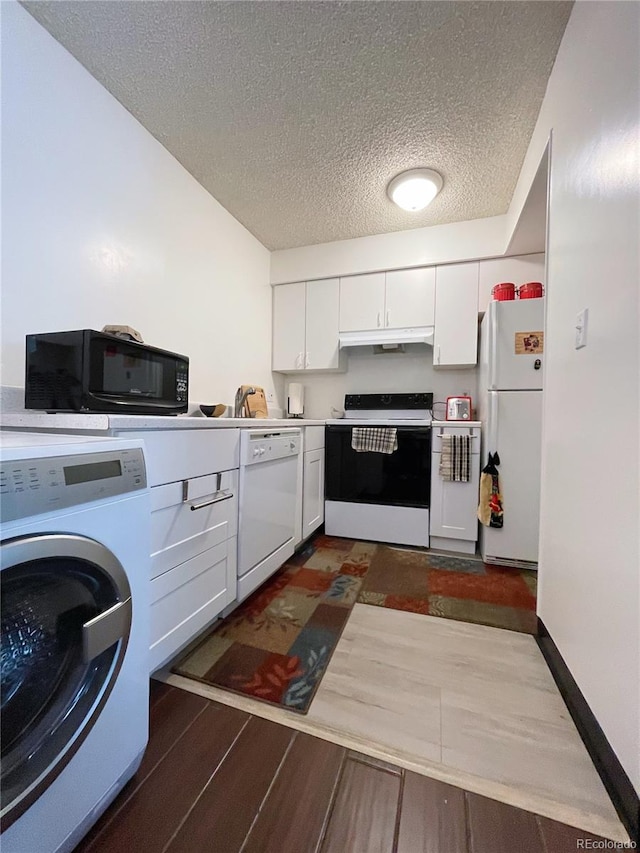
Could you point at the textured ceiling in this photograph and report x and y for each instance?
(295, 115)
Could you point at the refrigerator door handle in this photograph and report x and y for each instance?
(493, 346)
(493, 416)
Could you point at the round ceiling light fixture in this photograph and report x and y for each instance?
(414, 189)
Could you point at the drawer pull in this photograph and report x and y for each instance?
(222, 496)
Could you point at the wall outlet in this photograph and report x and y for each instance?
(582, 324)
(271, 398)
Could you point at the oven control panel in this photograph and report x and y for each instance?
(382, 402)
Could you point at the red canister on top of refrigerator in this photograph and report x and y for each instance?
(504, 291)
(531, 290)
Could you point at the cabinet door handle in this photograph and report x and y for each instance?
(438, 353)
(307, 363)
(216, 499)
(388, 319)
(378, 319)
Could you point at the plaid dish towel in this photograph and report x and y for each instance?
(455, 458)
(374, 439)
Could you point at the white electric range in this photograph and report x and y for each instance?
(377, 485)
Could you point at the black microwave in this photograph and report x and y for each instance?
(89, 371)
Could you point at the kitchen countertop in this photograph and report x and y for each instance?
(456, 424)
(93, 422)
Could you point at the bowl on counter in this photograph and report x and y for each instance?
(214, 411)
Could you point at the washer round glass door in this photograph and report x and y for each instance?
(66, 618)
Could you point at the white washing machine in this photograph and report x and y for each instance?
(75, 632)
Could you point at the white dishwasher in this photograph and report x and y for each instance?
(268, 483)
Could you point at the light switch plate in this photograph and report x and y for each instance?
(582, 324)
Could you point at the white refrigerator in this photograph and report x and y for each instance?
(510, 408)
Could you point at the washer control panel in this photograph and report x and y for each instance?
(34, 486)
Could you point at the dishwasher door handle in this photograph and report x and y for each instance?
(216, 499)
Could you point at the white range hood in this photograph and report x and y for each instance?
(382, 337)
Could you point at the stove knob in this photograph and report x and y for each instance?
(256, 452)
(261, 451)
(385, 399)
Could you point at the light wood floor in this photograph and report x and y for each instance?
(466, 704)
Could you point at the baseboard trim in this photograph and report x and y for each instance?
(614, 778)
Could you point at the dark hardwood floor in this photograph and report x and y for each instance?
(218, 780)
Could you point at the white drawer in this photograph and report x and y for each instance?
(188, 598)
(178, 531)
(181, 454)
(313, 438)
(437, 432)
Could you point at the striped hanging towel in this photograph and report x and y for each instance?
(455, 458)
(374, 439)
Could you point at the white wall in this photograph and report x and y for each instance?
(437, 244)
(369, 374)
(102, 225)
(589, 580)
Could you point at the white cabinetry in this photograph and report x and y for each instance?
(410, 298)
(289, 326)
(453, 520)
(456, 316)
(193, 476)
(313, 480)
(362, 302)
(393, 300)
(518, 269)
(305, 326)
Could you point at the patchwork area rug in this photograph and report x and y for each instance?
(452, 587)
(276, 645)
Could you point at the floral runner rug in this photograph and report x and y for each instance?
(277, 644)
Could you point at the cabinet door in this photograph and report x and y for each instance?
(454, 506)
(312, 492)
(456, 321)
(410, 298)
(519, 269)
(322, 313)
(189, 597)
(362, 302)
(288, 326)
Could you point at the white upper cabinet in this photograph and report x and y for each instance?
(362, 302)
(519, 270)
(288, 326)
(323, 306)
(410, 298)
(305, 326)
(394, 300)
(456, 318)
